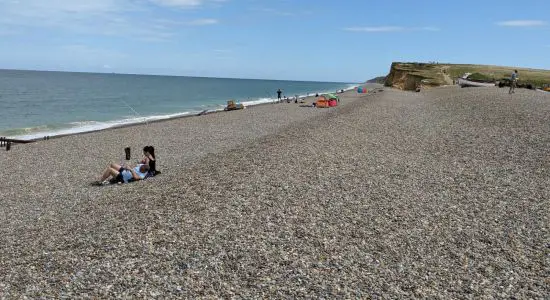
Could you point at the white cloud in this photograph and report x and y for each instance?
(183, 3)
(82, 50)
(427, 29)
(522, 23)
(123, 18)
(376, 29)
(282, 13)
(390, 29)
(202, 22)
(6, 32)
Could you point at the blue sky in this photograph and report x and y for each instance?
(321, 40)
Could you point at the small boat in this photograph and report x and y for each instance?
(468, 83)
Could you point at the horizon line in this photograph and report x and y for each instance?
(171, 75)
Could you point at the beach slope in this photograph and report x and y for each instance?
(437, 194)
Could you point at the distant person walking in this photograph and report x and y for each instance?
(513, 82)
(279, 92)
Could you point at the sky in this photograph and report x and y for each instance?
(318, 40)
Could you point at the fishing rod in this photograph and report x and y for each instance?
(135, 112)
(127, 149)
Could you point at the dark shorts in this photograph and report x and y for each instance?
(118, 178)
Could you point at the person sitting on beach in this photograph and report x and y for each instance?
(121, 174)
(149, 159)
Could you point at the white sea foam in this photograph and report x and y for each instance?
(89, 126)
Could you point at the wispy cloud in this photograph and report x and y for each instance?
(202, 22)
(522, 23)
(83, 50)
(279, 12)
(390, 29)
(184, 3)
(123, 18)
(427, 29)
(376, 29)
(6, 32)
(273, 11)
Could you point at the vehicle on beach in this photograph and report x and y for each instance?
(474, 80)
(469, 83)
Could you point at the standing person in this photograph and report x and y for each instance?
(513, 82)
(279, 92)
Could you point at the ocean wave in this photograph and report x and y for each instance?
(41, 131)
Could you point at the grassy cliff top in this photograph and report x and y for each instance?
(442, 73)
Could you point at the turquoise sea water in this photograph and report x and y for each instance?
(34, 104)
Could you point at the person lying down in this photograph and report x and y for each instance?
(120, 174)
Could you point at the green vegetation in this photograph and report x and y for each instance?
(526, 76)
(480, 77)
(435, 74)
(379, 79)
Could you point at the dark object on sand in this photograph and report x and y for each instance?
(5, 142)
(202, 113)
(127, 152)
(231, 105)
(505, 82)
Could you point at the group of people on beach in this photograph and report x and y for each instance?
(120, 173)
(281, 98)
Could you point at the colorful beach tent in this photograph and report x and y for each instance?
(327, 100)
(332, 96)
(362, 90)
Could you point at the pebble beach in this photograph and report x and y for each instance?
(442, 194)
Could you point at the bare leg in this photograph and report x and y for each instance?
(108, 172)
(115, 166)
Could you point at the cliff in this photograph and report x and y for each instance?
(409, 76)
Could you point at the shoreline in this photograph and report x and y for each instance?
(177, 116)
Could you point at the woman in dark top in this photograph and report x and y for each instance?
(149, 159)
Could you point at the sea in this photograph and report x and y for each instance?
(36, 104)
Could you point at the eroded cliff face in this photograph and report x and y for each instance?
(401, 79)
(409, 76)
